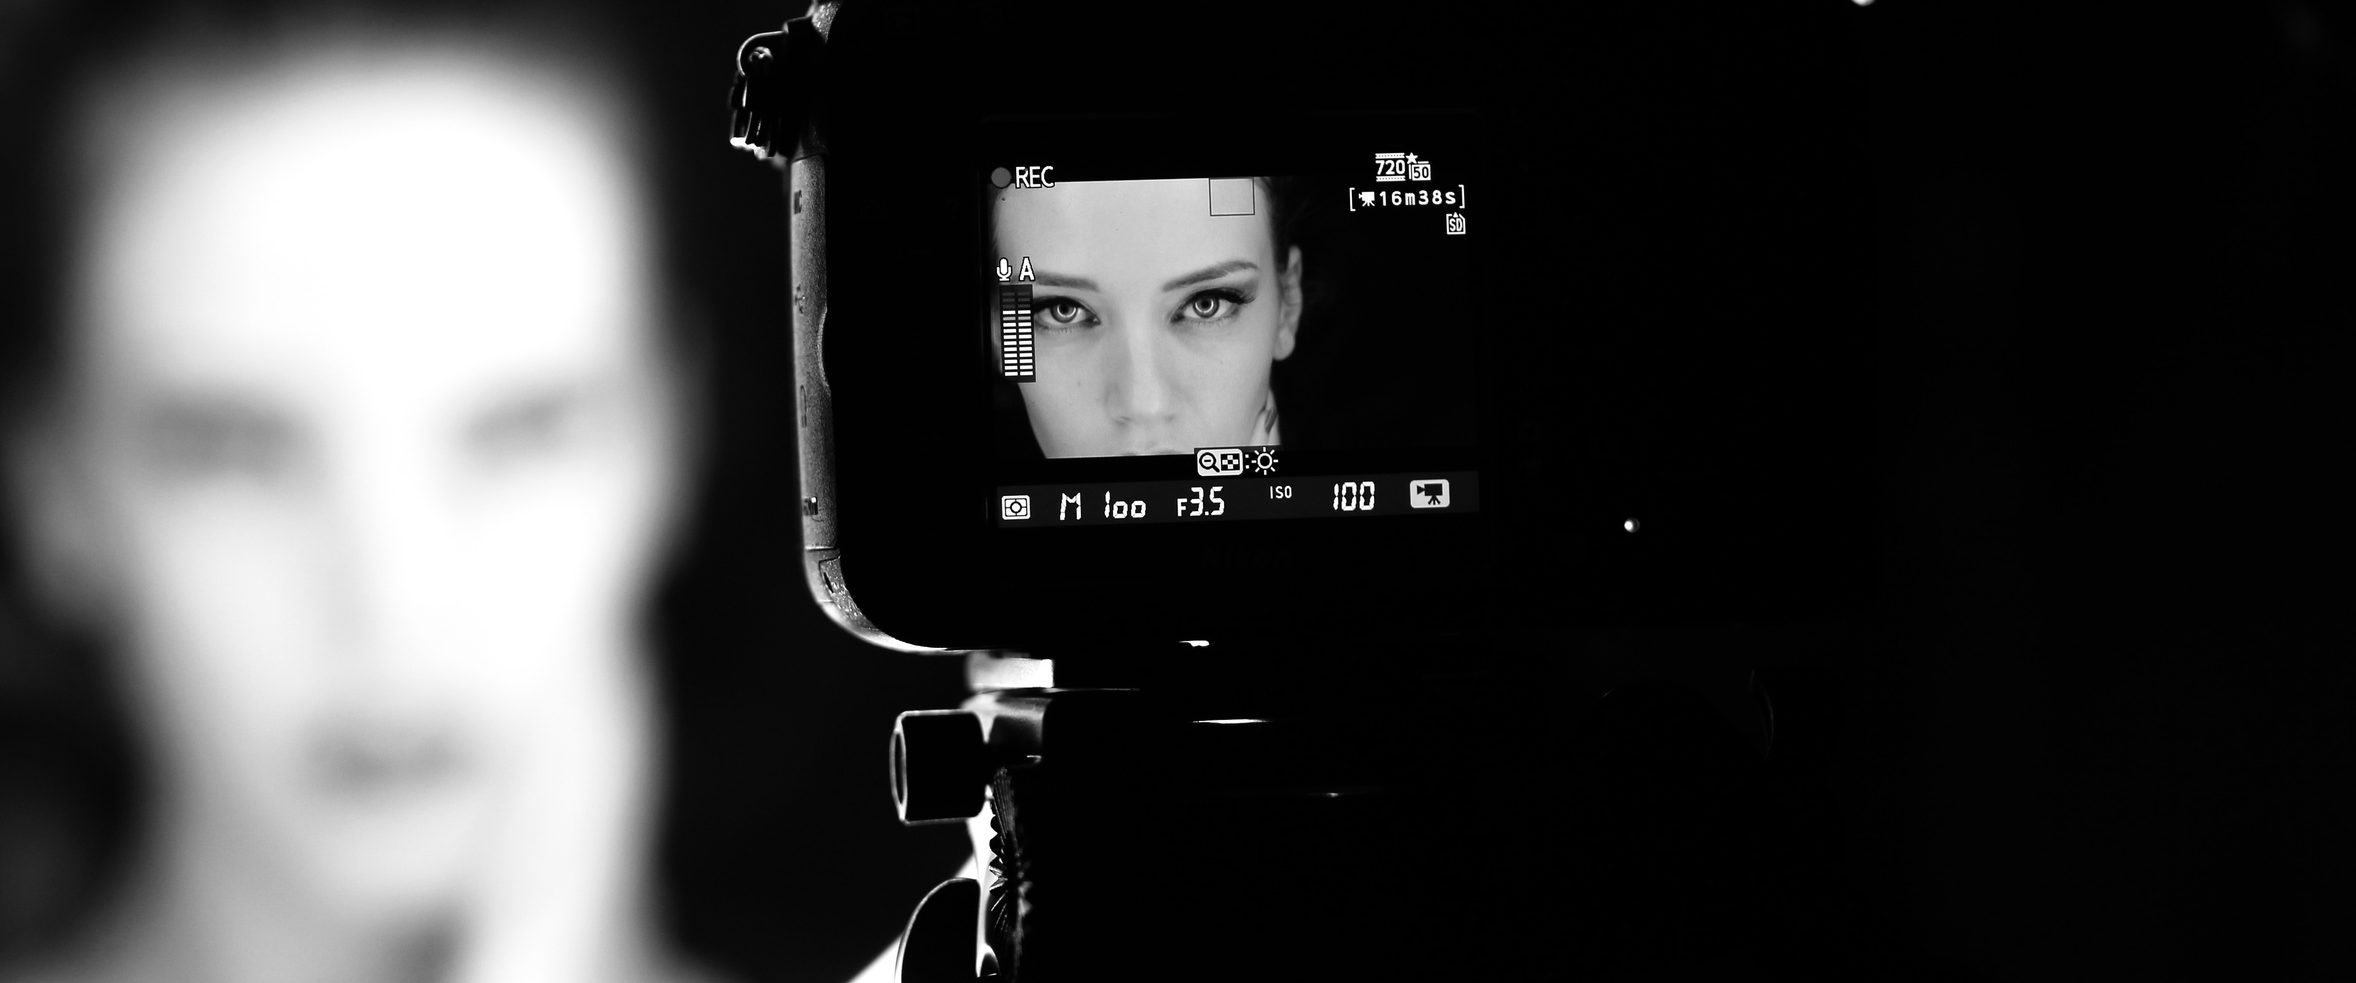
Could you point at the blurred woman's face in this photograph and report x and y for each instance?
(368, 450)
(1156, 322)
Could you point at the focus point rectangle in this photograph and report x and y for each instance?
(1234, 196)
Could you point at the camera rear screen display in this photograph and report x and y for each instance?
(1208, 332)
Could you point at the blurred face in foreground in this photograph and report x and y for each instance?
(362, 454)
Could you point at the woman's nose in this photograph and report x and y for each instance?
(389, 557)
(1139, 390)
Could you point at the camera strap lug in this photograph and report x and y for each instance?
(776, 77)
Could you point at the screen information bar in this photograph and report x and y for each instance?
(1229, 499)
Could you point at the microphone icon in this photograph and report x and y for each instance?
(1004, 270)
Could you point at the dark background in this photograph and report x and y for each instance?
(2052, 297)
(2086, 721)
(2040, 309)
(2111, 247)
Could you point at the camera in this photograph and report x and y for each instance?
(1213, 377)
(1032, 402)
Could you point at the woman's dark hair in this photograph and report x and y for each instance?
(1299, 380)
(1288, 216)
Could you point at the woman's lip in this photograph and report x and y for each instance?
(378, 756)
(1151, 451)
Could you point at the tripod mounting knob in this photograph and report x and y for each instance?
(940, 766)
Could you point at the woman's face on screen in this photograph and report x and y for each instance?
(366, 452)
(1156, 321)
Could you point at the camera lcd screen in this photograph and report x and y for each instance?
(1281, 327)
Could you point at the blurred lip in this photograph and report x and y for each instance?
(377, 757)
(1152, 450)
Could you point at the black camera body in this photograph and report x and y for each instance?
(904, 464)
(1316, 704)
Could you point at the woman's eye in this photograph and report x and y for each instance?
(1062, 310)
(538, 427)
(204, 443)
(1210, 306)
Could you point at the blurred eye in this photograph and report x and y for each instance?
(209, 440)
(538, 426)
(1060, 311)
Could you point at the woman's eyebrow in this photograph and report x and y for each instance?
(1060, 280)
(1209, 273)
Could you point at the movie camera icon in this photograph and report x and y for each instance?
(1428, 493)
